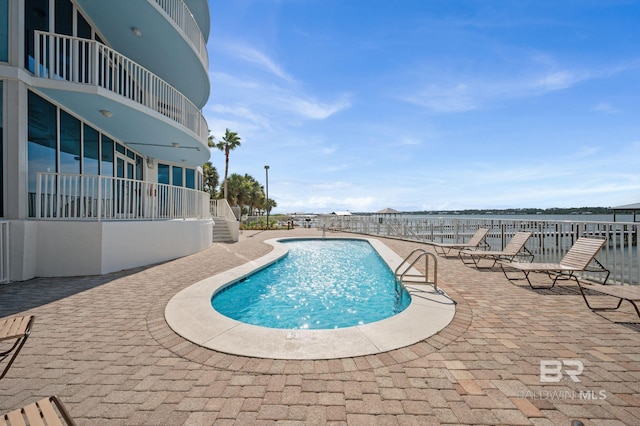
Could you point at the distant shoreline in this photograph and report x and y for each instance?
(519, 211)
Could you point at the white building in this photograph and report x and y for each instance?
(102, 134)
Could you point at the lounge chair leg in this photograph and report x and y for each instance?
(17, 346)
(512, 279)
(539, 287)
(465, 261)
(584, 296)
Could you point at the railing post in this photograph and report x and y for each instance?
(99, 204)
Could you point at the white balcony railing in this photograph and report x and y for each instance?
(83, 197)
(182, 16)
(77, 60)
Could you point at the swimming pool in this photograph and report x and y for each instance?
(190, 315)
(319, 284)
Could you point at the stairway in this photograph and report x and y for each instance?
(221, 232)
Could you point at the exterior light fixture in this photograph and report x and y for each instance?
(175, 144)
(106, 113)
(136, 31)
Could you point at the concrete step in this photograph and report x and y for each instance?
(221, 232)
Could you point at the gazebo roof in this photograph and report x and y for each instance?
(635, 206)
(388, 210)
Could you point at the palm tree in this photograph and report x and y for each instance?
(211, 178)
(229, 142)
(234, 184)
(270, 204)
(255, 192)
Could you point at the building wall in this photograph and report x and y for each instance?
(54, 248)
(41, 248)
(152, 242)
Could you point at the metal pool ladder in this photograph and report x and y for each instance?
(404, 274)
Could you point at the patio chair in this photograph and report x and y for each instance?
(16, 329)
(479, 238)
(515, 248)
(579, 258)
(621, 292)
(41, 413)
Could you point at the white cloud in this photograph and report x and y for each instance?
(445, 99)
(241, 112)
(310, 108)
(251, 55)
(606, 108)
(468, 93)
(558, 80)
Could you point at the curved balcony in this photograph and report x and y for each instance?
(97, 82)
(161, 35)
(181, 15)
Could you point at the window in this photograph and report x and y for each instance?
(41, 148)
(69, 143)
(36, 17)
(163, 173)
(83, 29)
(176, 176)
(106, 164)
(91, 151)
(139, 167)
(4, 31)
(64, 17)
(190, 178)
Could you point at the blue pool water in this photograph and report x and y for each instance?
(319, 284)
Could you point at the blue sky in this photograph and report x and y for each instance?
(361, 105)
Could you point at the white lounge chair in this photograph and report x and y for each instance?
(515, 248)
(579, 258)
(478, 238)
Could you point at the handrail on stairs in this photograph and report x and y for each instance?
(408, 274)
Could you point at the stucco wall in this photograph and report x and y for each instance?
(152, 242)
(56, 248)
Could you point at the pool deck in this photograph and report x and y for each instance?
(103, 346)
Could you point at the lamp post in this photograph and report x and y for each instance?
(266, 171)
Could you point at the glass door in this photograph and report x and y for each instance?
(126, 199)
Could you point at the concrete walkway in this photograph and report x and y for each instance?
(101, 344)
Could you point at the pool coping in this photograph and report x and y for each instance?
(189, 313)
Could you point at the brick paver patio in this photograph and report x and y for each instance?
(101, 344)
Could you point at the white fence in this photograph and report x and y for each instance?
(59, 57)
(221, 208)
(82, 197)
(549, 242)
(4, 252)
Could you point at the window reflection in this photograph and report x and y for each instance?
(41, 149)
(91, 147)
(163, 174)
(106, 165)
(176, 175)
(190, 178)
(69, 144)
